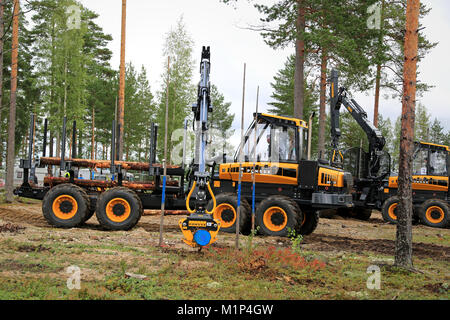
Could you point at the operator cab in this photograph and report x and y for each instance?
(431, 159)
(278, 140)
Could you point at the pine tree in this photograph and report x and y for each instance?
(422, 124)
(327, 33)
(437, 134)
(221, 121)
(179, 47)
(389, 56)
(283, 98)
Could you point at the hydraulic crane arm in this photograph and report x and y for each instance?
(200, 229)
(374, 136)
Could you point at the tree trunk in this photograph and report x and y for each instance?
(80, 143)
(403, 244)
(121, 106)
(322, 108)
(10, 157)
(299, 86)
(377, 96)
(378, 75)
(2, 33)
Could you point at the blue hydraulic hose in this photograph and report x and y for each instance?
(253, 199)
(239, 195)
(163, 200)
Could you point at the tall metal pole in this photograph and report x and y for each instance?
(163, 200)
(12, 110)
(254, 162)
(238, 213)
(93, 135)
(121, 106)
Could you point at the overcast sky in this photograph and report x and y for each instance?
(211, 23)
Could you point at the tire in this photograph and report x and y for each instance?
(118, 209)
(309, 222)
(276, 215)
(359, 213)
(434, 213)
(65, 205)
(90, 213)
(226, 213)
(388, 210)
(362, 213)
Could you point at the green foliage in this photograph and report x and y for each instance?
(282, 103)
(296, 240)
(390, 52)
(179, 47)
(422, 124)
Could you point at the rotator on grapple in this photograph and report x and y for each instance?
(199, 228)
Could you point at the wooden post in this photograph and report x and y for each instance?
(403, 243)
(163, 200)
(121, 106)
(12, 109)
(238, 213)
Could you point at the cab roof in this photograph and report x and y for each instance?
(434, 145)
(286, 120)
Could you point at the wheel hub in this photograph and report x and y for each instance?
(227, 215)
(277, 218)
(66, 207)
(119, 209)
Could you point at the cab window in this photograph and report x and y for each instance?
(420, 162)
(438, 163)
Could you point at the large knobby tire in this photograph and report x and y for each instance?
(359, 213)
(277, 215)
(309, 222)
(65, 205)
(118, 209)
(389, 210)
(226, 213)
(434, 213)
(363, 214)
(91, 211)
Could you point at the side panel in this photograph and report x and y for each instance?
(424, 183)
(266, 172)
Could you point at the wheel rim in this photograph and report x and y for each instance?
(226, 214)
(392, 211)
(434, 214)
(118, 210)
(275, 219)
(65, 207)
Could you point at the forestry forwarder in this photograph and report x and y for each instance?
(289, 189)
(430, 185)
(374, 187)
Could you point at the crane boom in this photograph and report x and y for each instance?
(200, 229)
(374, 136)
